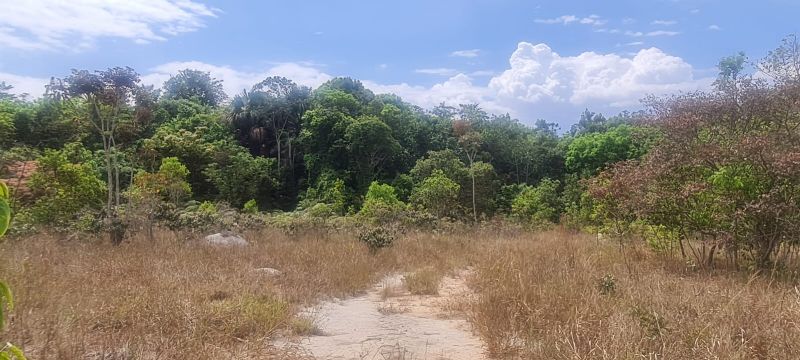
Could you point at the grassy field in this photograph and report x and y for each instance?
(549, 295)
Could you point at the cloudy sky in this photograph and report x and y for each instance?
(533, 59)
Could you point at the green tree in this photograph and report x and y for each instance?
(151, 193)
(590, 153)
(195, 85)
(380, 202)
(240, 177)
(436, 194)
(65, 189)
(539, 205)
(107, 94)
(370, 145)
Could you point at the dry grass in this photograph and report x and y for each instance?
(552, 295)
(560, 296)
(170, 299)
(423, 282)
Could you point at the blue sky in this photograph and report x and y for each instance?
(533, 59)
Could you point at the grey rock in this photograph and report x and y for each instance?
(268, 272)
(225, 238)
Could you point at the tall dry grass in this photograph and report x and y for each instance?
(552, 295)
(560, 296)
(176, 299)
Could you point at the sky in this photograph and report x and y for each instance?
(532, 59)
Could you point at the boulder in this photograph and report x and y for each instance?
(225, 238)
(269, 272)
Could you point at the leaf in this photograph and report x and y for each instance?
(5, 216)
(18, 355)
(7, 298)
(4, 192)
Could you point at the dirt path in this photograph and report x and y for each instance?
(389, 323)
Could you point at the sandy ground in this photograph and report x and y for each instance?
(389, 323)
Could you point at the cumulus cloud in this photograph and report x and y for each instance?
(538, 74)
(471, 53)
(76, 24)
(33, 86)
(234, 80)
(593, 20)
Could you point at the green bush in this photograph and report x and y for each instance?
(436, 194)
(381, 203)
(64, 190)
(250, 207)
(377, 237)
(539, 205)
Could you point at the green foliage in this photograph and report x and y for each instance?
(250, 207)
(5, 209)
(195, 85)
(65, 189)
(7, 351)
(377, 237)
(436, 194)
(240, 177)
(539, 205)
(381, 202)
(587, 154)
(329, 190)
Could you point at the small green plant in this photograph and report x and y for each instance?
(607, 285)
(377, 237)
(250, 207)
(7, 351)
(651, 322)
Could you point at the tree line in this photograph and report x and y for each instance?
(718, 168)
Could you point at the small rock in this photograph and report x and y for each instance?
(268, 271)
(225, 238)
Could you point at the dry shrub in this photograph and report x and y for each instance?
(423, 282)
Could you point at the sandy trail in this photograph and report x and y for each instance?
(399, 326)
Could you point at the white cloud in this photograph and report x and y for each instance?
(540, 83)
(538, 74)
(635, 43)
(663, 22)
(471, 53)
(437, 71)
(30, 85)
(233, 80)
(628, 21)
(634, 33)
(714, 27)
(663, 33)
(593, 20)
(383, 66)
(76, 24)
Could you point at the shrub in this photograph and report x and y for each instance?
(381, 203)
(437, 194)
(538, 205)
(377, 237)
(250, 207)
(64, 190)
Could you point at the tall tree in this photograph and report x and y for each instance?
(194, 84)
(108, 94)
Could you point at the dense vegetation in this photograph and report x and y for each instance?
(699, 172)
